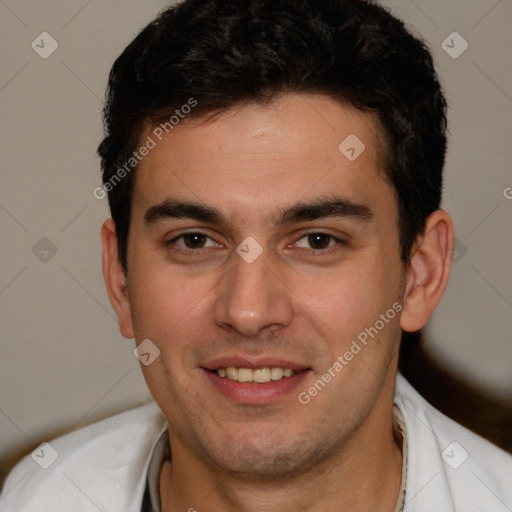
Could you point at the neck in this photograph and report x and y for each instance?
(362, 475)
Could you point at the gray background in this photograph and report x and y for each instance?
(63, 363)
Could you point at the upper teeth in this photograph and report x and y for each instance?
(259, 375)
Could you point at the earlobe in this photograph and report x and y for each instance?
(428, 271)
(115, 279)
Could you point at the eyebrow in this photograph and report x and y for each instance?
(174, 209)
(328, 207)
(305, 211)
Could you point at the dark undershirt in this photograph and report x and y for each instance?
(161, 452)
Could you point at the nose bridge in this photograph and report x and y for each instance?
(251, 298)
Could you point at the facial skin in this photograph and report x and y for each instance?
(251, 172)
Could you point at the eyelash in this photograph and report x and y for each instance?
(337, 242)
(173, 241)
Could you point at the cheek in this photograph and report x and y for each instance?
(349, 299)
(165, 300)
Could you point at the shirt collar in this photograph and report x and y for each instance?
(162, 451)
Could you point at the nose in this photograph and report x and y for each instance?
(253, 298)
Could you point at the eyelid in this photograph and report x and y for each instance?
(342, 237)
(339, 242)
(192, 231)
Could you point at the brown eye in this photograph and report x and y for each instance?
(193, 246)
(319, 240)
(194, 240)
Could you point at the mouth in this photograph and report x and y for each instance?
(255, 382)
(257, 376)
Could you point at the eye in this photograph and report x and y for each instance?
(193, 241)
(317, 241)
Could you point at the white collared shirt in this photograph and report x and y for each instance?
(104, 466)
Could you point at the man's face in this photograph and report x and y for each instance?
(327, 229)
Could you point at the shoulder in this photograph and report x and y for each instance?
(449, 467)
(101, 466)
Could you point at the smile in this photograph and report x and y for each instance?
(258, 375)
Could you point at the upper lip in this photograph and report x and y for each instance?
(254, 363)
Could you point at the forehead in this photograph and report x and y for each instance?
(258, 156)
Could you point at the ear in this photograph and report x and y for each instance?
(115, 279)
(428, 271)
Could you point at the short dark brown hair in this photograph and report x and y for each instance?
(224, 53)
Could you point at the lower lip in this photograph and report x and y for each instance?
(256, 393)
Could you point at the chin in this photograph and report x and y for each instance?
(265, 459)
